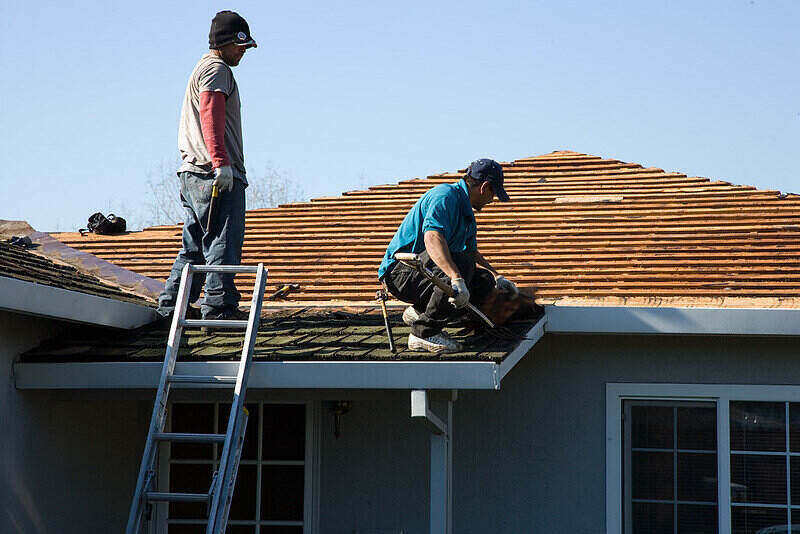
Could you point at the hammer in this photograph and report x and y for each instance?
(214, 196)
(381, 297)
(284, 290)
(412, 260)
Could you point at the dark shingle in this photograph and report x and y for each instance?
(306, 335)
(21, 264)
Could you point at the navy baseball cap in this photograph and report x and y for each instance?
(488, 170)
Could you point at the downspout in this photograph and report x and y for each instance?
(441, 459)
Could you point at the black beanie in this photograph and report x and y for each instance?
(229, 27)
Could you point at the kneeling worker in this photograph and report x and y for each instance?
(441, 228)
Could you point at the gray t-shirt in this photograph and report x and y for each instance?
(210, 74)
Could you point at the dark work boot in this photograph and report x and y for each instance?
(227, 314)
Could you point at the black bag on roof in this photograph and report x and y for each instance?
(100, 224)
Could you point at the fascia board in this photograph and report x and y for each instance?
(652, 320)
(272, 375)
(57, 303)
(532, 336)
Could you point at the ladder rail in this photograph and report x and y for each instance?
(224, 479)
(232, 471)
(160, 404)
(216, 521)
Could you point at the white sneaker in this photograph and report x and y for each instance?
(437, 344)
(410, 315)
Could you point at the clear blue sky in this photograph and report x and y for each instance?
(341, 94)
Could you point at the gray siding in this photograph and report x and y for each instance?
(69, 459)
(375, 476)
(527, 458)
(530, 457)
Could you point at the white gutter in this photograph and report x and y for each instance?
(56, 303)
(272, 375)
(651, 320)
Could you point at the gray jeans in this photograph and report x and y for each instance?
(220, 246)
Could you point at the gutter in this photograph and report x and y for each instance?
(267, 375)
(56, 303)
(658, 320)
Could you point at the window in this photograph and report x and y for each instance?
(694, 458)
(270, 490)
(670, 467)
(765, 473)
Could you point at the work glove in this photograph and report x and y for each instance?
(224, 178)
(460, 296)
(504, 284)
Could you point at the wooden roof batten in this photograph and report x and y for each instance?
(580, 228)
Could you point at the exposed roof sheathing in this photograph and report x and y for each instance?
(579, 229)
(298, 335)
(21, 264)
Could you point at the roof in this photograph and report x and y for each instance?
(580, 229)
(296, 335)
(26, 265)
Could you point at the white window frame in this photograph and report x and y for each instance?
(311, 461)
(721, 394)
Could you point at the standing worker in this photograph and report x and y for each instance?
(210, 144)
(441, 229)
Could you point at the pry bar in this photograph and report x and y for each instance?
(412, 260)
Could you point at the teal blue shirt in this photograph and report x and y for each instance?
(446, 209)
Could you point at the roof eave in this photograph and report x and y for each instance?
(267, 375)
(673, 320)
(63, 304)
(423, 375)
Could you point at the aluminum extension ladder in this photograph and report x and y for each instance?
(222, 485)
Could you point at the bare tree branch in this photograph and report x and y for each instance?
(163, 204)
(268, 189)
(272, 188)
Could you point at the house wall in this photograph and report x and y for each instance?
(69, 459)
(374, 477)
(530, 457)
(527, 458)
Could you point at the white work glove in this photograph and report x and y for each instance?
(504, 284)
(461, 293)
(224, 178)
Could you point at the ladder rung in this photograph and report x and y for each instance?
(225, 268)
(156, 496)
(218, 497)
(201, 379)
(189, 438)
(216, 323)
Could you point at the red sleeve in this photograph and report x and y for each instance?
(212, 123)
